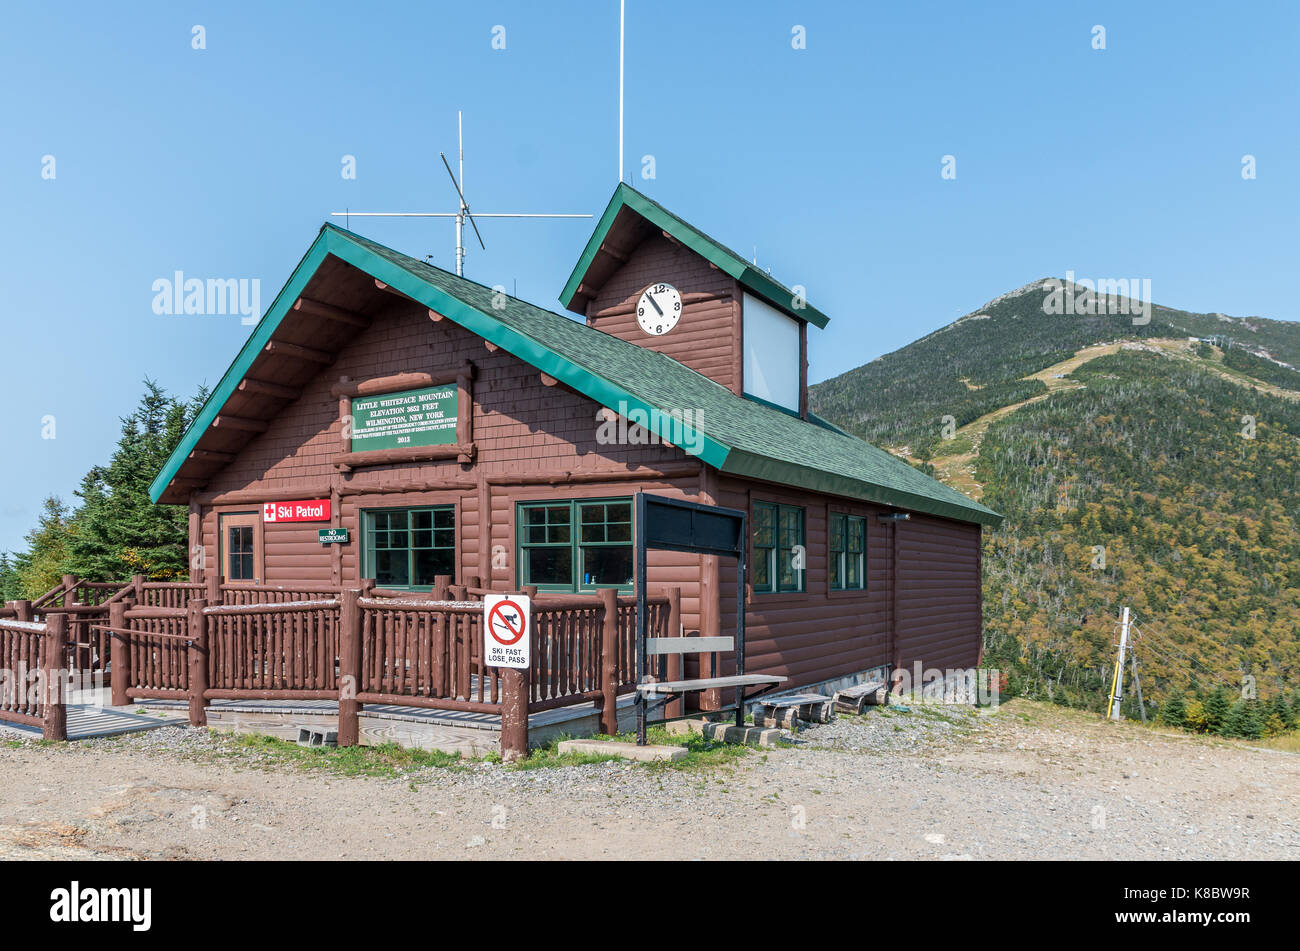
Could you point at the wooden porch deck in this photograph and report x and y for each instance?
(89, 722)
(452, 731)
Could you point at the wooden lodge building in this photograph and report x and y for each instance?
(453, 430)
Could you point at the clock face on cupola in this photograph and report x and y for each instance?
(659, 309)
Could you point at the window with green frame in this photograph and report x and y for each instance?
(408, 548)
(778, 529)
(848, 552)
(576, 545)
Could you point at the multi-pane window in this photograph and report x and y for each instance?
(576, 545)
(848, 551)
(778, 547)
(408, 548)
(239, 553)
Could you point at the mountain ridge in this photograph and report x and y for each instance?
(1136, 464)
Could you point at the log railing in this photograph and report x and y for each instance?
(425, 653)
(34, 676)
(357, 649)
(286, 650)
(151, 648)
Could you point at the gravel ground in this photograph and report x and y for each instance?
(1026, 781)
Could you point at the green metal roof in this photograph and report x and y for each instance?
(728, 261)
(735, 435)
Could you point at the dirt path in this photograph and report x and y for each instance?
(1029, 781)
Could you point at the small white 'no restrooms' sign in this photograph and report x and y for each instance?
(506, 618)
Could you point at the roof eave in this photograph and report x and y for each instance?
(261, 334)
(755, 466)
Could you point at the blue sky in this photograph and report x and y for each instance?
(223, 162)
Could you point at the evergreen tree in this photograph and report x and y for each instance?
(10, 582)
(1279, 708)
(119, 530)
(44, 563)
(1244, 719)
(1174, 711)
(1216, 711)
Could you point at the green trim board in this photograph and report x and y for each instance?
(728, 432)
(755, 280)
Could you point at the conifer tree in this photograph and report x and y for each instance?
(119, 531)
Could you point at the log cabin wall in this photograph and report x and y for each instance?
(707, 338)
(523, 429)
(819, 634)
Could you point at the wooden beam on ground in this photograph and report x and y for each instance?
(317, 308)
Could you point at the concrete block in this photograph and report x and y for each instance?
(317, 736)
(641, 754)
(727, 732)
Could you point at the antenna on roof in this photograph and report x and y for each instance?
(462, 211)
(622, 12)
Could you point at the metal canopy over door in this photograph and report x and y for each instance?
(676, 525)
(239, 548)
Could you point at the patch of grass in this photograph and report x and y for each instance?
(1286, 742)
(387, 760)
(702, 753)
(550, 757)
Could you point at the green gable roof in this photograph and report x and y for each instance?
(728, 261)
(734, 435)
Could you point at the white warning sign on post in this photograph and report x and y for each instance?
(506, 637)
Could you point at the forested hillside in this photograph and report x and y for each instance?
(1155, 473)
(979, 363)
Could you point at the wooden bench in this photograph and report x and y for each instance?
(662, 647)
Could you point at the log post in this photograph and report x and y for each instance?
(440, 585)
(515, 687)
(609, 661)
(120, 652)
(674, 707)
(349, 668)
(24, 609)
(69, 590)
(53, 670)
(198, 634)
(214, 588)
(514, 713)
(137, 582)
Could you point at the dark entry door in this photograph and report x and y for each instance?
(240, 545)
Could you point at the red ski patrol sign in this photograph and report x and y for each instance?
(506, 638)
